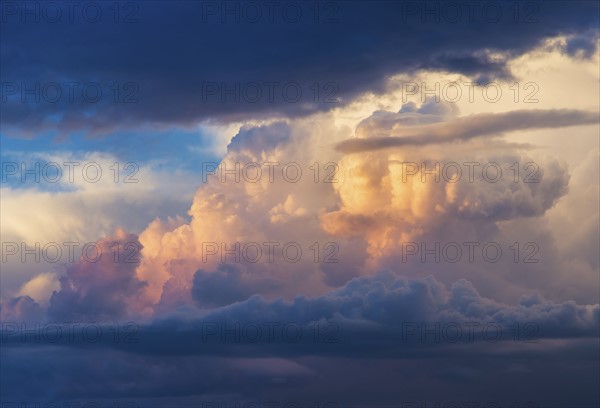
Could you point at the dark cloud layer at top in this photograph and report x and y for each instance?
(355, 45)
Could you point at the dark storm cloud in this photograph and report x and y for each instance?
(189, 355)
(181, 74)
(379, 316)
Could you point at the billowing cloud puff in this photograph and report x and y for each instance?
(455, 192)
(230, 283)
(381, 309)
(262, 192)
(41, 287)
(103, 284)
(21, 309)
(386, 302)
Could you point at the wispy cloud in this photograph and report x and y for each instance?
(482, 125)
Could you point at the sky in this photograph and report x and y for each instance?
(300, 204)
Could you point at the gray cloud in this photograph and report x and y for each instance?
(190, 356)
(102, 289)
(397, 134)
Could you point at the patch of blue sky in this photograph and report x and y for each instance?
(174, 150)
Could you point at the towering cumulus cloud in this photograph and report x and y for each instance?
(373, 211)
(366, 213)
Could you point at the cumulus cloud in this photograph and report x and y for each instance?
(75, 209)
(102, 285)
(230, 283)
(372, 209)
(360, 219)
(382, 309)
(21, 309)
(248, 207)
(437, 192)
(40, 287)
